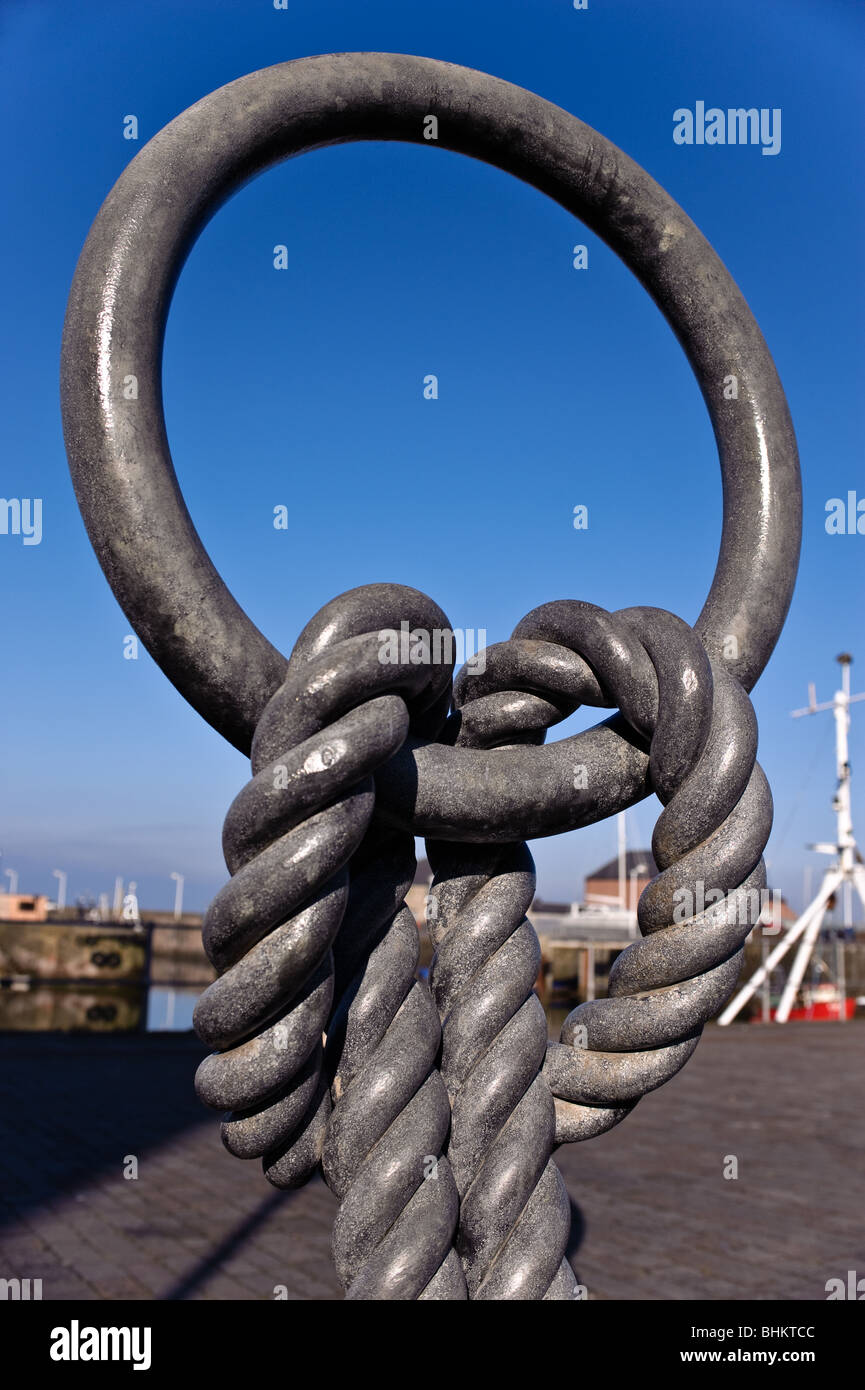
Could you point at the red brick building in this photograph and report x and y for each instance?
(602, 886)
(24, 907)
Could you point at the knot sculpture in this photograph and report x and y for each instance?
(329, 1052)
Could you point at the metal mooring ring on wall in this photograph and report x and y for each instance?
(118, 449)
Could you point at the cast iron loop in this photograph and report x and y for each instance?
(118, 450)
(311, 936)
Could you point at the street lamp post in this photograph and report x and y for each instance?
(178, 896)
(622, 838)
(61, 886)
(12, 875)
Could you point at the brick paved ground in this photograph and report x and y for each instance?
(661, 1219)
(656, 1217)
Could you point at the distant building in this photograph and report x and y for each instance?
(24, 907)
(603, 885)
(777, 915)
(602, 894)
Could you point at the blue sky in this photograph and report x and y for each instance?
(303, 387)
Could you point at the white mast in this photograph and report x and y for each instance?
(847, 871)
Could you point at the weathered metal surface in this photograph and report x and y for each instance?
(118, 449)
(272, 932)
(513, 1097)
(441, 1159)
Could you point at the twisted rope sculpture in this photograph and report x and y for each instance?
(288, 838)
(717, 819)
(702, 745)
(393, 1236)
(514, 1210)
(434, 1115)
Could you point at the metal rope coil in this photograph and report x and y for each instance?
(515, 1216)
(442, 1163)
(288, 838)
(384, 1152)
(700, 733)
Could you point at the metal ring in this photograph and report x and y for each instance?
(118, 450)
